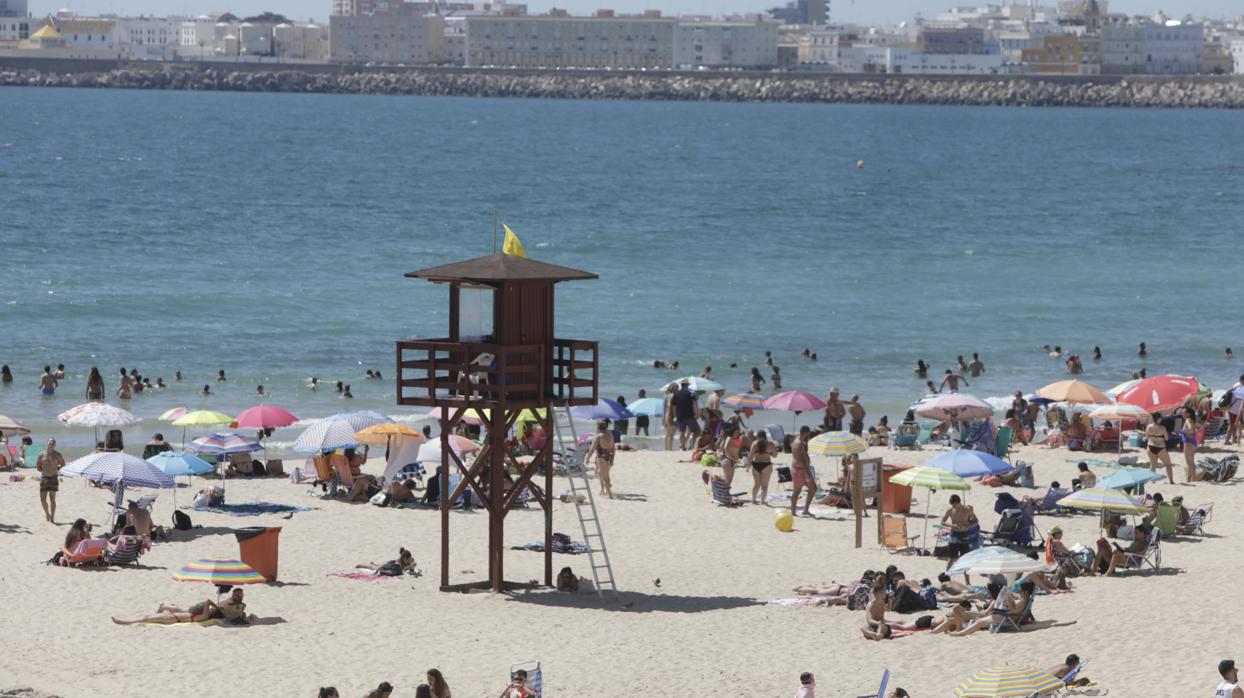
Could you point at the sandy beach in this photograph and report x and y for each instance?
(706, 630)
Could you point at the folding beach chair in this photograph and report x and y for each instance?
(1197, 520)
(89, 551)
(1049, 503)
(127, 554)
(1168, 519)
(905, 436)
(722, 494)
(894, 534)
(1151, 557)
(535, 678)
(1011, 621)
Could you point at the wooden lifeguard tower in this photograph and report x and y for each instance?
(499, 359)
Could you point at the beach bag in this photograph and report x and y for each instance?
(181, 521)
(1225, 400)
(381, 499)
(390, 569)
(258, 469)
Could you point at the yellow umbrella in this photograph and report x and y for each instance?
(1075, 392)
(1008, 680)
(202, 418)
(381, 433)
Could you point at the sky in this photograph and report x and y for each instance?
(859, 11)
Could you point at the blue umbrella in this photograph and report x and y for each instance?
(603, 409)
(178, 463)
(1128, 477)
(111, 467)
(968, 463)
(326, 435)
(647, 407)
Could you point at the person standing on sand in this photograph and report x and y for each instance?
(603, 449)
(961, 519)
(48, 382)
(952, 379)
(807, 686)
(686, 413)
(976, 367)
(761, 457)
(49, 464)
(667, 416)
(1155, 438)
(641, 420)
(857, 415)
(1233, 412)
(801, 472)
(834, 410)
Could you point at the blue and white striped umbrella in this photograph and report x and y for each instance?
(359, 420)
(176, 463)
(224, 443)
(116, 466)
(326, 435)
(995, 559)
(647, 407)
(603, 409)
(968, 463)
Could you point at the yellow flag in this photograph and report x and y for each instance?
(513, 245)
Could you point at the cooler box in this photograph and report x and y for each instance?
(259, 547)
(895, 499)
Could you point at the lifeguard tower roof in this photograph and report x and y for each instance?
(499, 268)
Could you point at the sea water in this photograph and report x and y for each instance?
(267, 235)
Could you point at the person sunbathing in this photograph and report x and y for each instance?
(951, 591)
(363, 489)
(232, 610)
(1069, 664)
(1049, 582)
(403, 491)
(1005, 606)
(956, 618)
(404, 563)
(1138, 546)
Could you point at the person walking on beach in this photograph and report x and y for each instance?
(1233, 412)
(761, 459)
(48, 382)
(1188, 434)
(952, 379)
(834, 410)
(622, 425)
(603, 449)
(1155, 438)
(49, 464)
(857, 415)
(801, 472)
(976, 367)
(686, 413)
(94, 385)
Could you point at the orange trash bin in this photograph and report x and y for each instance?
(259, 547)
(895, 499)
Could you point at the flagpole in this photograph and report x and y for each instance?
(494, 231)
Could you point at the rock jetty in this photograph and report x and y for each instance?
(1135, 91)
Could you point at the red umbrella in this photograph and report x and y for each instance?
(265, 417)
(1160, 393)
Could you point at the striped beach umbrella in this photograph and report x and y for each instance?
(930, 477)
(1008, 680)
(741, 400)
(968, 463)
(995, 559)
(1102, 499)
(202, 418)
(98, 414)
(219, 572)
(359, 420)
(173, 414)
(836, 443)
(111, 467)
(1120, 411)
(326, 435)
(223, 443)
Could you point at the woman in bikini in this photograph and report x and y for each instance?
(761, 457)
(730, 451)
(404, 563)
(172, 615)
(1188, 433)
(757, 380)
(94, 385)
(603, 449)
(1156, 436)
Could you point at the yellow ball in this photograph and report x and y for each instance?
(784, 521)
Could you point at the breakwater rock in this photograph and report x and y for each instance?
(1178, 92)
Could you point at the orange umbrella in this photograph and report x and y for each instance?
(381, 433)
(1076, 392)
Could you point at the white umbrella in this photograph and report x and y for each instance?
(995, 559)
(11, 426)
(697, 384)
(326, 436)
(98, 414)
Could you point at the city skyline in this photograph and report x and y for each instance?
(841, 11)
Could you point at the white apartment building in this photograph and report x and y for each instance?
(725, 44)
(455, 41)
(15, 29)
(383, 39)
(300, 42)
(1174, 48)
(1237, 54)
(91, 34)
(1122, 49)
(618, 43)
(198, 37)
(149, 38)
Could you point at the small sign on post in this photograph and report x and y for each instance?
(865, 482)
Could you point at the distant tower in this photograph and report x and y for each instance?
(817, 11)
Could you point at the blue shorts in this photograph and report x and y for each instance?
(49, 392)
(691, 425)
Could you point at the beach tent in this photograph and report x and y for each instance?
(403, 451)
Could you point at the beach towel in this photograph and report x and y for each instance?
(800, 601)
(252, 509)
(574, 547)
(361, 576)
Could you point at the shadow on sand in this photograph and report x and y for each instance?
(636, 602)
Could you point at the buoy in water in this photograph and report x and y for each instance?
(859, 164)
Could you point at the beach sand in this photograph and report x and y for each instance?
(705, 631)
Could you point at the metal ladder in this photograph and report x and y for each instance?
(589, 518)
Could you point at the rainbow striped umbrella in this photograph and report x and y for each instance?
(219, 572)
(1100, 498)
(172, 414)
(752, 400)
(224, 442)
(836, 443)
(1008, 680)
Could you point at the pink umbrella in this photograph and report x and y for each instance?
(953, 406)
(794, 401)
(265, 417)
(1160, 393)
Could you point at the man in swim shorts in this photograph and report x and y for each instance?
(686, 413)
(47, 382)
(49, 464)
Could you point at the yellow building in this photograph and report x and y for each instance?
(47, 37)
(1065, 55)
